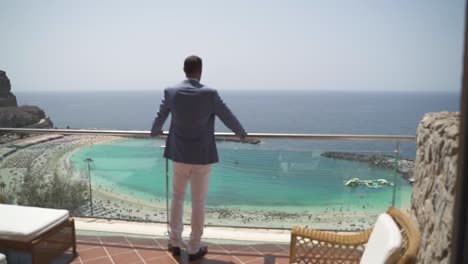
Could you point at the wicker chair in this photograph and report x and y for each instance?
(314, 246)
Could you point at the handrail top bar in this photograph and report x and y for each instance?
(143, 133)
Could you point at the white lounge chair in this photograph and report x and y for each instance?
(42, 232)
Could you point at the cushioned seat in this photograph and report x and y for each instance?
(23, 223)
(384, 242)
(44, 233)
(2, 259)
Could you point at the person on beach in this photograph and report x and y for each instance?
(191, 146)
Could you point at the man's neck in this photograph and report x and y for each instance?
(193, 77)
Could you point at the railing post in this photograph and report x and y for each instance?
(395, 174)
(88, 162)
(167, 195)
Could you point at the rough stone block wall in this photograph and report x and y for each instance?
(434, 187)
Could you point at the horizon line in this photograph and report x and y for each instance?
(244, 90)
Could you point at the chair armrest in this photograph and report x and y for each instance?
(410, 233)
(356, 239)
(309, 244)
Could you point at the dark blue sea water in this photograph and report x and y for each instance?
(315, 112)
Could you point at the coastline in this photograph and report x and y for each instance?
(55, 156)
(42, 157)
(116, 204)
(113, 205)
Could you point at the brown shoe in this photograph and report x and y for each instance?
(174, 250)
(201, 252)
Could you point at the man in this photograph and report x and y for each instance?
(192, 148)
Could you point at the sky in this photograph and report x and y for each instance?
(112, 45)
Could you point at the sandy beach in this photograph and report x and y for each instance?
(43, 155)
(112, 205)
(54, 156)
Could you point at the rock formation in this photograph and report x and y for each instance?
(404, 166)
(7, 98)
(24, 116)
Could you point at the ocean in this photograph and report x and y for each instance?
(314, 112)
(284, 175)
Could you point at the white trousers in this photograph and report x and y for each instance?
(198, 176)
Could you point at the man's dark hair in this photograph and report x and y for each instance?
(192, 64)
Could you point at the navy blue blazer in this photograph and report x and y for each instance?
(193, 108)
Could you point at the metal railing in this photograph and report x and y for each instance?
(142, 133)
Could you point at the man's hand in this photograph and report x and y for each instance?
(156, 135)
(243, 137)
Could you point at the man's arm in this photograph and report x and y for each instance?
(160, 117)
(227, 117)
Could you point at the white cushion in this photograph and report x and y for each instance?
(23, 223)
(2, 259)
(385, 239)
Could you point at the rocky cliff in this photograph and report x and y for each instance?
(24, 116)
(7, 98)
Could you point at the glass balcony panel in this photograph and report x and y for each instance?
(275, 184)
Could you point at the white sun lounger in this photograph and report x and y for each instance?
(42, 232)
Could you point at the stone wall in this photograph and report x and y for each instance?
(434, 186)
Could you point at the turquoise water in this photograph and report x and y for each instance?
(248, 176)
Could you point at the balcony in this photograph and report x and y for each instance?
(102, 247)
(116, 184)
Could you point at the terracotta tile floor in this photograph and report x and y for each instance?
(118, 249)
